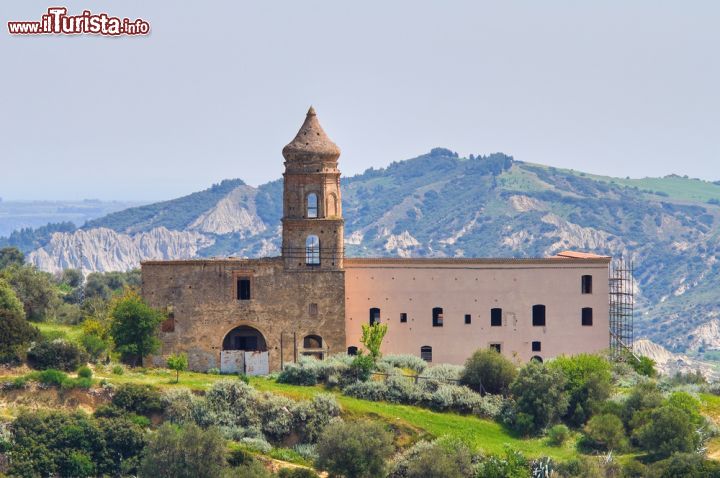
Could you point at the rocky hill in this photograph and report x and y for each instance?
(441, 205)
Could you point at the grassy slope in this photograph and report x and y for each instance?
(676, 187)
(480, 434)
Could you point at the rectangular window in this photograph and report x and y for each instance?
(538, 315)
(536, 347)
(587, 316)
(495, 317)
(496, 347)
(437, 317)
(168, 325)
(468, 318)
(313, 309)
(426, 353)
(586, 285)
(243, 289)
(403, 317)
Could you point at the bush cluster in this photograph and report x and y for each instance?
(59, 354)
(438, 396)
(61, 444)
(241, 412)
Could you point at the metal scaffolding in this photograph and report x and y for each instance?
(622, 308)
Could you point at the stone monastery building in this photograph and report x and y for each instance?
(255, 315)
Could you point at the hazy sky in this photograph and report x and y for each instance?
(218, 88)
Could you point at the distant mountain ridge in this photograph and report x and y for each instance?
(442, 205)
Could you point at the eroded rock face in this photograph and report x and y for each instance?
(234, 213)
(103, 249)
(669, 363)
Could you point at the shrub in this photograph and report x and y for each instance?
(362, 366)
(686, 465)
(374, 391)
(80, 382)
(213, 371)
(60, 354)
(512, 464)
(49, 377)
(453, 397)
(540, 398)
(232, 403)
(298, 374)
(118, 369)
(558, 435)
(410, 362)
(354, 450)
(588, 383)
(189, 451)
(62, 444)
(312, 417)
(15, 332)
(140, 399)
(297, 473)
(179, 405)
(276, 416)
(644, 366)
(94, 345)
(606, 432)
(85, 372)
(444, 373)
(439, 459)
(668, 430)
(488, 371)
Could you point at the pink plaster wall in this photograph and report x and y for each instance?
(460, 287)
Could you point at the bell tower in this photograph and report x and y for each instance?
(312, 238)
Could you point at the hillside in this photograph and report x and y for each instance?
(441, 205)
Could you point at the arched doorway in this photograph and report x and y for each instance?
(244, 350)
(245, 338)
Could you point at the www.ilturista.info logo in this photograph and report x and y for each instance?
(58, 22)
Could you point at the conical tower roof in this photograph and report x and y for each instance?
(311, 143)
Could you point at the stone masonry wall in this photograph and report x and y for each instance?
(201, 294)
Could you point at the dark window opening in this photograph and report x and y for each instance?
(426, 353)
(168, 325)
(495, 317)
(587, 316)
(536, 346)
(403, 317)
(243, 289)
(496, 347)
(586, 284)
(313, 309)
(437, 316)
(538, 315)
(374, 316)
(352, 350)
(468, 318)
(312, 342)
(536, 358)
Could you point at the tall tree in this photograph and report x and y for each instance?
(134, 326)
(10, 256)
(15, 332)
(36, 290)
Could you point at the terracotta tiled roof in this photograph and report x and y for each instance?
(579, 255)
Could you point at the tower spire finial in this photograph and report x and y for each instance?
(311, 111)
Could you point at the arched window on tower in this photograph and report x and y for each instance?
(312, 206)
(312, 250)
